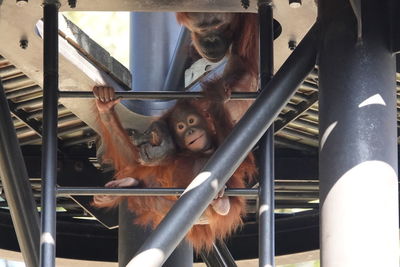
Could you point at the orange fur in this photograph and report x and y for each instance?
(245, 38)
(179, 172)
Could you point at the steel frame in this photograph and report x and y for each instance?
(248, 131)
(300, 74)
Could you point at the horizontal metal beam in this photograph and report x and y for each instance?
(156, 95)
(89, 191)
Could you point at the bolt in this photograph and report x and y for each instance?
(292, 45)
(23, 43)
(245, 4)
(295, 3)
(72, 3)
(22, 3)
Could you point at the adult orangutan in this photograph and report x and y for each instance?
(170, 154)
(235, 35)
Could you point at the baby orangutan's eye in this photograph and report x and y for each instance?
(180, 127)
(192, 120)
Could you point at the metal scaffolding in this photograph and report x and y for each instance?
(358, 142)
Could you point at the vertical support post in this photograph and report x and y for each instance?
(358, 144)
(18, 190)
(266, 238)
(49, 154)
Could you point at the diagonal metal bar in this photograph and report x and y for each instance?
(219, 256)
(228, 157)
(18, 190)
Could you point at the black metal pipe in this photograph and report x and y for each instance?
(358, 160)
(17, 188)
(266, 226)
(89, 191)
(228, 157)
(219, 256)
(49, 154)
(156, 95)
(248, 193)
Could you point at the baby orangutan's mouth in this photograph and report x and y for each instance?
(194, 140)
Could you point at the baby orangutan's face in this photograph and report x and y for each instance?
(191, 132)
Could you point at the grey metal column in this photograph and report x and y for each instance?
(49, 153)
(266, 235)
(157, 63)
(131, 237)
(229, 155)
(154, 37)
(358, 136)
(17, 188)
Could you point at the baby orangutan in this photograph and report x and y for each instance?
(170, 154)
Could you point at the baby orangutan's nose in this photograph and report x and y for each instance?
(190, 132)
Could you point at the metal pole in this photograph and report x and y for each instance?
(229, 156)
(156, 95)
(49, 154)
(17, 188)
(358, 137)
(88, 191)
(266, 235)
